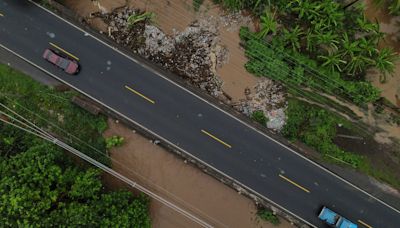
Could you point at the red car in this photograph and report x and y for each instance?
(68, 65)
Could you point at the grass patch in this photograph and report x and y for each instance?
(44, 105)
(316, 128)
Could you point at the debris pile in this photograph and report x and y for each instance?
(194, 53)
(268, 97)
(130, 36)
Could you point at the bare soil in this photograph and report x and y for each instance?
(174, 16)
(187, 186)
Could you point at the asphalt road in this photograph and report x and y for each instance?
(190, 123)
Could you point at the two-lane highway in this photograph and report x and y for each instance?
(190, 123)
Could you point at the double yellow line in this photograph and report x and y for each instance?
(66, 52)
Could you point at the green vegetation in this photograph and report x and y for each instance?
(256, 6)
(319, 44)
(392, 5)
(53, 111)
(41, 187)
(146, 16)
(114, 141)
(316, 127)
(197, 4)
(268, 216)
(297, 70)
(259, 117)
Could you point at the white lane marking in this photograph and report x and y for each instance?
(244, 123)
(176, 145)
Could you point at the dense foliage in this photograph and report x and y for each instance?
(41, 187)
(316, 127)
(269, 60)
(53, 111)
(315, 43)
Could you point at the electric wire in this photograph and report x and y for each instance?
(83, 143)
(112, 172)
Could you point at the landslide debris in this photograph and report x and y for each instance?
(193, 54)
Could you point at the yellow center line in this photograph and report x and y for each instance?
(139, 94)
(73, 56)
(217, 139)
(364, 224)
(294, 183)
(1, 15)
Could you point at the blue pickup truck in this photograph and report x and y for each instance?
(335, 220)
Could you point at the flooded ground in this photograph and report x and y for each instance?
(223, 205)
(389, 25)
(183, 184)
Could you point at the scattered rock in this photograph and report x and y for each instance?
(268, 97)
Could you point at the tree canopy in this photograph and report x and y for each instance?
(41, 187)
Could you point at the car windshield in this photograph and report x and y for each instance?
(63, 63)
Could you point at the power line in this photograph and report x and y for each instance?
(316, 73)
(44, 135)
(96, 150)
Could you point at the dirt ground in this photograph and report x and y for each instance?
(169, 176)
(174, 16)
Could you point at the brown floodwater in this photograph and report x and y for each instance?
(181, 183)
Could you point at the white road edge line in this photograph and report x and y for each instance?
(155, 134)
(244, 123)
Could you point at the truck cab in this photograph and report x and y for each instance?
(335, 220)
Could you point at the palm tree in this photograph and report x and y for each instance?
(357, 64)
(350, 48)
(333, 61)
(268, 24)
(384, 61)
(328, 39)
(394, 7)
(306, 9)
(367, 46)
(332, 13)
(292, 37)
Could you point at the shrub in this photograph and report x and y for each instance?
(268, 216)
(114, 141)
(259, 117)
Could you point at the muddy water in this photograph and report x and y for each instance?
(169, 176)
(390, 26)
